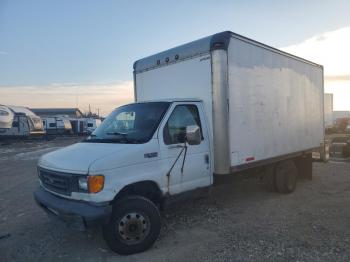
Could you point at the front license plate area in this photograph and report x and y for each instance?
(71, 221)
(53, 211)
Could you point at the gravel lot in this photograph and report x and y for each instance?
(240, 221)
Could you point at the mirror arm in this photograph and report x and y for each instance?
(177, 158)
(183, 160)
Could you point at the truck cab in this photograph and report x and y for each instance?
(139, 151)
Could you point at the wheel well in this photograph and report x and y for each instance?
(148, 189)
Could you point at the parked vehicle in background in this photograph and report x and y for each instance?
(24, 123)
(340, 146)
(218, 105)
(78, 126)
(346, 148)
(84, 126)
(57, 125)
(92, 124)
(6, 117)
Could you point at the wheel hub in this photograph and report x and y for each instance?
(133, 227)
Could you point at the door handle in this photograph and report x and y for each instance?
(206, 158)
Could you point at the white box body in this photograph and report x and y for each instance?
(261, 103)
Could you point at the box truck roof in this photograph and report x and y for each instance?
(200, 47)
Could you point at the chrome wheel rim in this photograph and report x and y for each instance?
(133, 227)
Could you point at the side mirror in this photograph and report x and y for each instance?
(193, 135)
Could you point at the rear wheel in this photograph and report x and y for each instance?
(286, 175)
(134, 226)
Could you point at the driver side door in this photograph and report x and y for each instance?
(196, 167)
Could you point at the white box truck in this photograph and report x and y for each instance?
(218, 105)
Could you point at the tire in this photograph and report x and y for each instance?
(134, 225)
(286, 174)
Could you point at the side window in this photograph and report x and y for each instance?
(182, 116)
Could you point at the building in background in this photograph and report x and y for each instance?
(49, 112)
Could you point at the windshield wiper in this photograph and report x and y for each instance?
(123, 138)
(116, 134)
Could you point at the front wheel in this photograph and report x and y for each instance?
(134, 225)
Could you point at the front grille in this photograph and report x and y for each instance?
(62, 183)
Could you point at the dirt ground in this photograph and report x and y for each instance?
(240, 221)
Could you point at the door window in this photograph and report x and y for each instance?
(175, 129)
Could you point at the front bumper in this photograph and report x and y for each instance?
(76, 214)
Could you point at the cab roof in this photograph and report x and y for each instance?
(171, 100)
(168, 100)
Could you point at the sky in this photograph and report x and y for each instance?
(64, 53)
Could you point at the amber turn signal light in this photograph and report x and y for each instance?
(95, 183)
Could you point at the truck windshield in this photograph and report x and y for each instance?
(133, 123)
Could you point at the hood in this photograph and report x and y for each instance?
(78, 157)
(92, 158)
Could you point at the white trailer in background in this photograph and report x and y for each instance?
(6, 117)
(78, 125)
(84, 126)
(24, 123)
(217, 105)
(57, 125)
(92, 124)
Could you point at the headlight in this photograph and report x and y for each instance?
(91, 184)
(83, 183)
